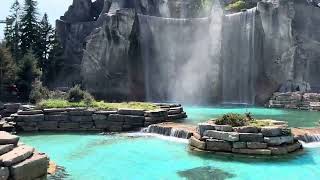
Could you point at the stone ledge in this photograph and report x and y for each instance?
(83, 119)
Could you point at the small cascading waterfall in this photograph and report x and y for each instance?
(168, 131)
(180, 57)
(309, 138)
(241, 48)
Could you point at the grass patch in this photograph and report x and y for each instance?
(101, 105)
(238, 120)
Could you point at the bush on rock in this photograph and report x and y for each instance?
(232, 119)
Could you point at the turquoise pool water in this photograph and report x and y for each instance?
(294, 118)
(123, 157)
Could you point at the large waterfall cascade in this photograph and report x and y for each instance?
(181, 57)
(240, 56)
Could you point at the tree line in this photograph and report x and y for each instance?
(30, 51)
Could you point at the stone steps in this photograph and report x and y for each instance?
(19, 161)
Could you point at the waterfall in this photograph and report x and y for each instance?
(180, 57)
(241, 48)
(309, 138)
(168, 131)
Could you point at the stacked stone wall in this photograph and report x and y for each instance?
(19, 161)
(82, 119)
(295, 100)
(273, 140)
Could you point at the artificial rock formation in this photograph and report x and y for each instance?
(113, 43)
(83, 119)
(271, 140)
(19, 161)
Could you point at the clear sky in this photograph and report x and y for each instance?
(54, 8)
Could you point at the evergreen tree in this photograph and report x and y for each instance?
(55, 61)
(7, 68)
(29, 26)
(12, 35)
(28, 72)
(45, 41)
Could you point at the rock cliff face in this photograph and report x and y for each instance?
(273, 47)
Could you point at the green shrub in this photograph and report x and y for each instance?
(76, 94)
(231, 119)
(236, 6)
(38, 92)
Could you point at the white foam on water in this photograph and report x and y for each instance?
(310, 145)
(167, 138)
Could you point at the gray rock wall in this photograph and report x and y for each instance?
(107, 53)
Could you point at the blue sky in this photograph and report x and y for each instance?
(54, 8)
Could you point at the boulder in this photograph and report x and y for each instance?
(106, 113)
(175, 110)
(48, 125)
(227, 136)
(7, 138)
(99, 117)
(225, 128)
(197, 143)
(177, 116)
(86, 125)
(251, 137)
(80, 112)
(102, 124)
(218, 145)
(30, 169)
(4, 173)
(57, 117)
(80, 118)
(256, 145)
(275, 141)
(5, 148)
(12, 107)
(28, 118)
(54, 110)
(69, 125)
(278, 150)
(202, 127)
(32, 112)
(133, 112)
(247, 129)
(271, 131)
(157, 113)
(115, 118)
(17, 155)
(293, 147)
(239, 145)
(252, 151)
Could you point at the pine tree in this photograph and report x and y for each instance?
(12, 35)
(45, 41)
(28, 72)
(7, 68)
(55, 61)
(29, 26)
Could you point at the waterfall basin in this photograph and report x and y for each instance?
(125, 156)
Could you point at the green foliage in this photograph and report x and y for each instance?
(29, 26)
(38, 92)
(236, 6)
(7, 67)
(76, 94)
(234, 120)
(12, 35)
(60, 103)
(45, 41)
(28, 72)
